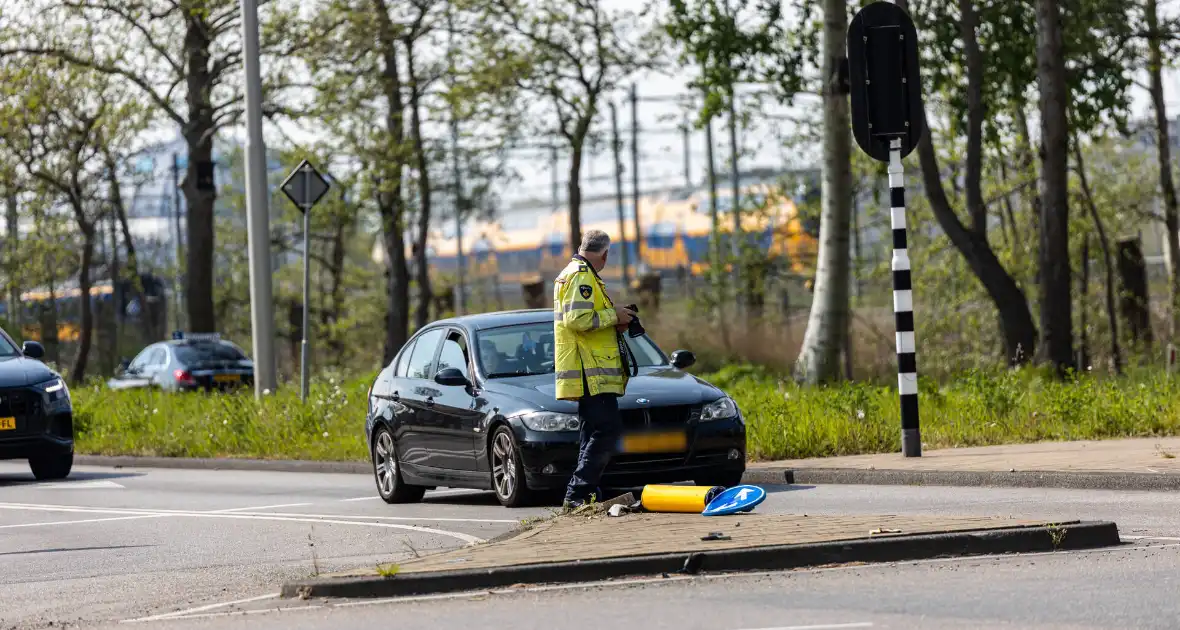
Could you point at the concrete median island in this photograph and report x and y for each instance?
(580, 548)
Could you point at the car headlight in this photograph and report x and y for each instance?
(550, 421)
(721, 409)
(56, 388)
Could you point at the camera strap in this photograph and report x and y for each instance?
(626, 357)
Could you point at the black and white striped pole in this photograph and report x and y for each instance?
(903, 308)
(888, 121)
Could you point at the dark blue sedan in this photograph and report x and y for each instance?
(469, 403)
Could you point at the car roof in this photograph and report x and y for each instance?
(483, 321)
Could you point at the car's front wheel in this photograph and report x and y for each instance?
(508, 471)
(50, 467)
(388, 474)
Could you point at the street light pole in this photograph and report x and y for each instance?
(258, 226)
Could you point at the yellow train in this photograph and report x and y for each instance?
(521, 247)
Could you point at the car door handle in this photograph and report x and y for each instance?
(395, 397)
(430, 401)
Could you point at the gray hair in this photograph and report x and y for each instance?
(594, 242)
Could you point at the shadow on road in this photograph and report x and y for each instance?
(26, 479)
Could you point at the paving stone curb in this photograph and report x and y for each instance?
(1010, 479)
(1062, 537)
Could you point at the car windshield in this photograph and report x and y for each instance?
(190, 354)
(528, 349)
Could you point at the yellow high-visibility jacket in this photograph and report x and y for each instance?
(584, 336)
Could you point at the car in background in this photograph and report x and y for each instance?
(36, 413)
(470, 402)
(187, 362)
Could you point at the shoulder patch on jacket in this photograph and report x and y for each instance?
(586, 291)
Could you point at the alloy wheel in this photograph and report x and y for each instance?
(503, 465)
(386, 464)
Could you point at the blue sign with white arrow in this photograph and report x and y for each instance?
(734, 500)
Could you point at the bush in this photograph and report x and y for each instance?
(143, 422)
(784, 420)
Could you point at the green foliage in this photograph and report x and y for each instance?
(785, 421)
(143, 422)
(746, 43)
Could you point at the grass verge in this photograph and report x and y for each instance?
(784, 420)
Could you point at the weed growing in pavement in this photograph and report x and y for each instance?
(388, 570)
(783, 419)
(315, 560)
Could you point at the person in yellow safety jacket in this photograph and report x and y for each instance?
(588, 362)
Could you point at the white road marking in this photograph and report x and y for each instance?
(432, 493)
(825, 626)
(79, 485)
(388, 518)
(334, 520)
(259, 508)
(87, 520)
(1173, 538)
(180, 613)
(232, 613)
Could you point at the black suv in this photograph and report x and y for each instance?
(36, 415)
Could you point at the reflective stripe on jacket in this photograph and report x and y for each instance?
(584, 337)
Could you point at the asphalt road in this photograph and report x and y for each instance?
(198, 549)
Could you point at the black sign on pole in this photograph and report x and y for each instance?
(888, 121)
(886, 89)
(305, 186)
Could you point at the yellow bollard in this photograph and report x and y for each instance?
(686, 499)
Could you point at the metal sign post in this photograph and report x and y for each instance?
(305, 187)
(888, 121)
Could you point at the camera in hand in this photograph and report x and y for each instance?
(635, 328)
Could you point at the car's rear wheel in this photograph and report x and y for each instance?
(508, 479)
(48, 467)
(726, 478)
(387, 472)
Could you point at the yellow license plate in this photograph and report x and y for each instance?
(674, 442)
(7, 424)
(226, 378)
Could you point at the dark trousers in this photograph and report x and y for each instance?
(599, 438)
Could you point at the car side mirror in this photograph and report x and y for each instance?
(451, 377)
(683, 358)
(33, 350)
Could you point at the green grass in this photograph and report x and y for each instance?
(784, 420)
(140, 422)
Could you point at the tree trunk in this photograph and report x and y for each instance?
(827, 327)
(86, 325)
(12, 262)
(574, 187)
(390, 202)
(1164, 155)
(1055, 307)
(1015, 317)
(1116, 354)
(422, 314)
(199, 199)
(331, 315)
(975, 113)
(1083, 307)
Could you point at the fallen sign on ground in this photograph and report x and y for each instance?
(587, 548)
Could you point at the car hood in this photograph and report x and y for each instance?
(20, 371)
(659, 385)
